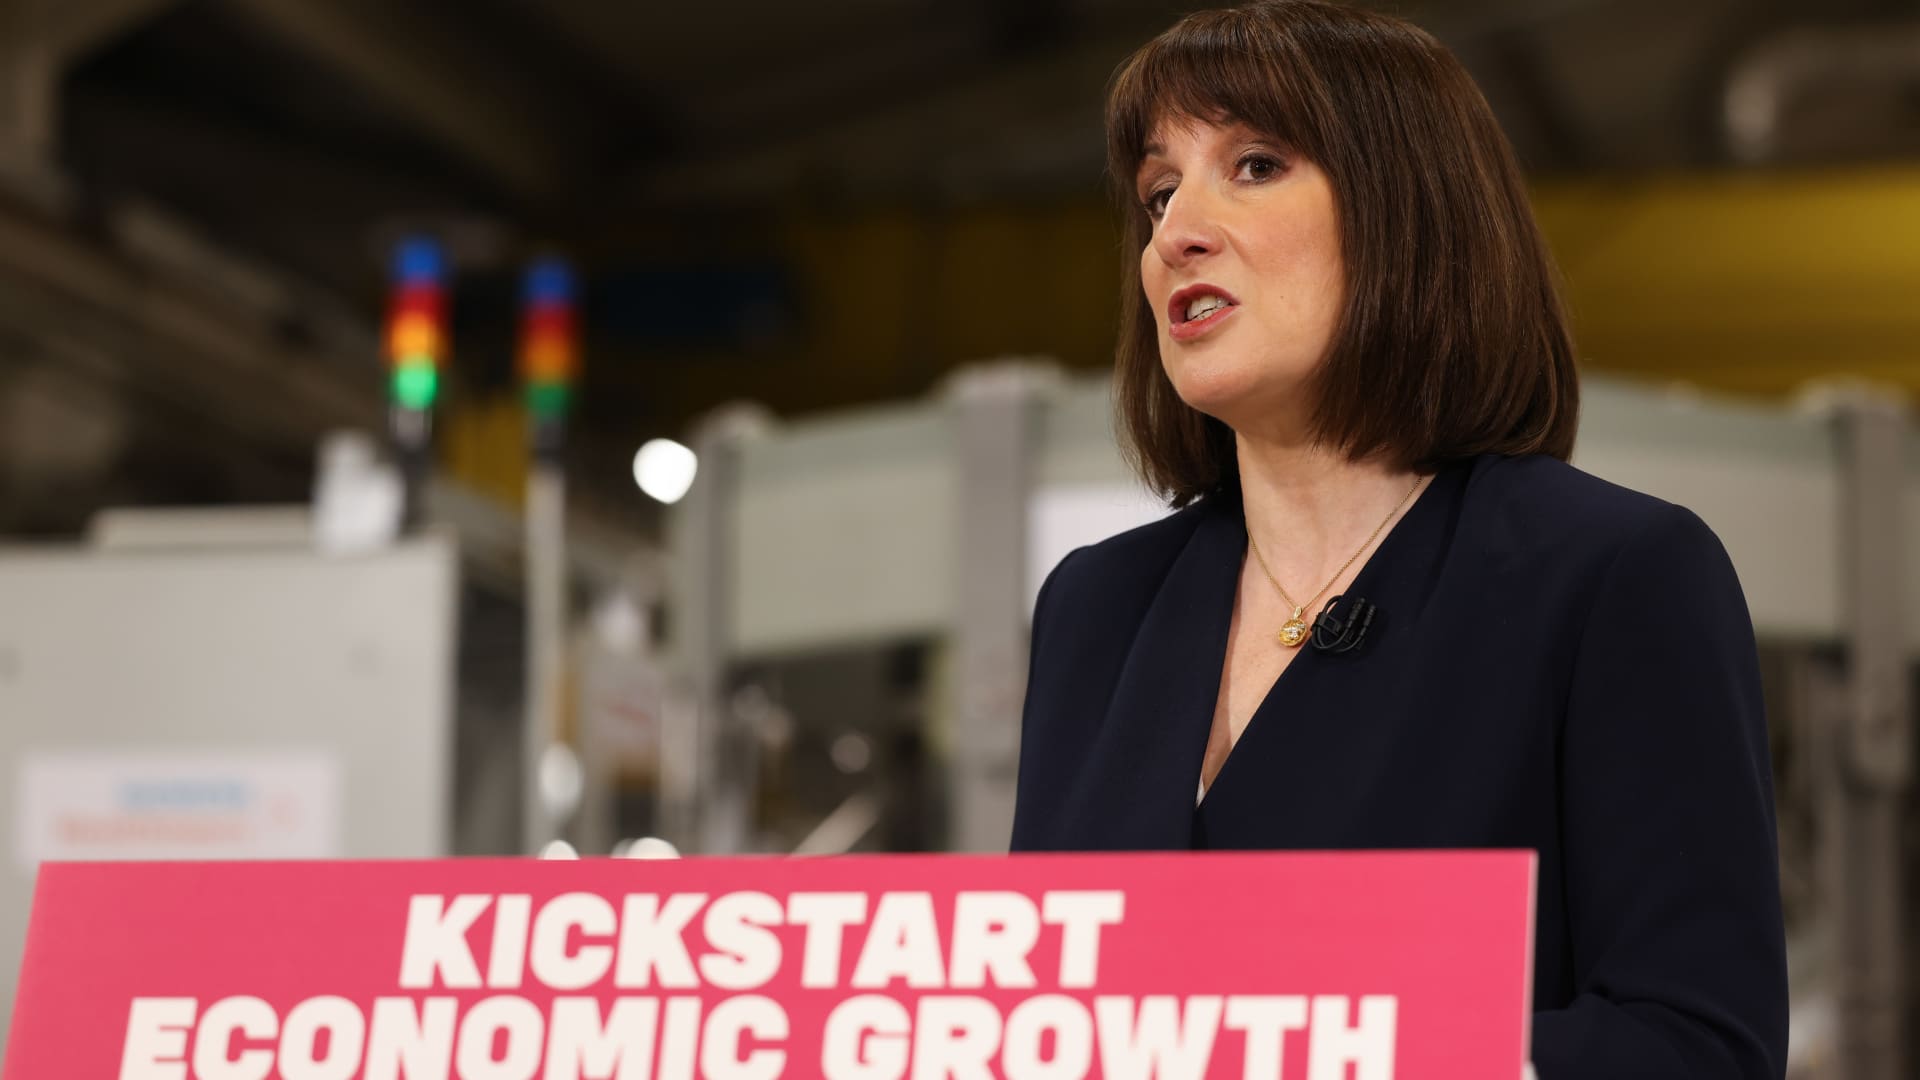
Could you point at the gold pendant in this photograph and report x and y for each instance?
(1293, 631)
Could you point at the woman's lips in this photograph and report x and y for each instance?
(1181, 328)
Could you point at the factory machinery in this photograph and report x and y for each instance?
(850, 595)
(830, 656)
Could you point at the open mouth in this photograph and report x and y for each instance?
(1197, 308)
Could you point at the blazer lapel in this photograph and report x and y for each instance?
(1136, 792)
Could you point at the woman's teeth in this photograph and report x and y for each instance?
(1203, 307)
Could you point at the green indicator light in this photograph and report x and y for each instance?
(548, 399)
(415, 385)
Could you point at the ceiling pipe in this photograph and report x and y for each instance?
(1784, 67)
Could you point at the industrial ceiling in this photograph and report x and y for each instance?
(200, 194)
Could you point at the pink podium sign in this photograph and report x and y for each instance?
(1284, 966)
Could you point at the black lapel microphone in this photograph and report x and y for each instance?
(1334, 633)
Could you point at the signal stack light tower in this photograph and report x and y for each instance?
(549, 362)
(416, 346)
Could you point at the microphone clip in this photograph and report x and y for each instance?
(1342, 633)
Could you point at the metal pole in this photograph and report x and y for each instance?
(549, 361)
(412, 431)
(546, 643)
(1864, 798)
(995, 436)
(708, 761)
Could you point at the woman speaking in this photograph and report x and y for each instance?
(1388, 614)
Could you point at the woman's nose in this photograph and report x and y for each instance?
(1187, 228)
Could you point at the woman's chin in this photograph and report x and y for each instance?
(1234, 397)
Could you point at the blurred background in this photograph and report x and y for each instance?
(438, 428)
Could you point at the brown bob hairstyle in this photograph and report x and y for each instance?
(1453, 341)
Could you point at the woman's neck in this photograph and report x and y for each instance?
(1309, 509)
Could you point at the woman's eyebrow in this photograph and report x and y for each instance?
(1154, 152)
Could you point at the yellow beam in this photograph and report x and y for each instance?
(1747, 281)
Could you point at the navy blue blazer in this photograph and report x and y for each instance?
(1558, 664)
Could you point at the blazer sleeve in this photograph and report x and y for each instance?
(1667, 825)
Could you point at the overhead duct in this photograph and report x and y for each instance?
(1794, 64)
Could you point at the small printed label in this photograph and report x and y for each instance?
(108, 806)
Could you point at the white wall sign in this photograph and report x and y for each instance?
(131, 805)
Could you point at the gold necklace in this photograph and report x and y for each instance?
(1294, 630)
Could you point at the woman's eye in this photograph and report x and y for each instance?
(1155, 203)
(1257, 167)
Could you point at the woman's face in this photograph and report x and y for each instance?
(1243, 272)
